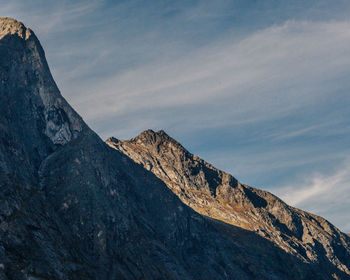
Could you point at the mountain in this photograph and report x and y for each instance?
(220, 196)
(71, 207)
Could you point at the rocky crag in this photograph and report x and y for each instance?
(220, 196)
(71, 207)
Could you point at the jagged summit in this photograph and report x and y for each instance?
(158, 139)
(25, 76)
(10, 26)
(151, 136)
(216, 194)
(161, 140)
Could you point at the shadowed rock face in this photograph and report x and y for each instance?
(73, 208)
(218, 195)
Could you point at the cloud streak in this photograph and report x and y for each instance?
(325, 195)
(268, 74)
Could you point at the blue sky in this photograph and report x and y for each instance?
(260, 89)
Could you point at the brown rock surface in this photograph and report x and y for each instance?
(220, 196)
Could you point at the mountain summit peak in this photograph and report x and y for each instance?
(160, 137)
(218, 195)
(159, 140)
(151, 133)
(29, 80)
(10, 26)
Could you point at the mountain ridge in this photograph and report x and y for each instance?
(218, 195)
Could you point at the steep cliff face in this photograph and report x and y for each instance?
(73, 208)
(218, 195)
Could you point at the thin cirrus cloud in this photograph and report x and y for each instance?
(270, 73)
(329, 196)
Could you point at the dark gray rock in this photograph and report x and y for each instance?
(73, 208)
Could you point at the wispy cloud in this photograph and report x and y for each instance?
(50, 16)
(318, 186)
(268, 74)
(325, 195)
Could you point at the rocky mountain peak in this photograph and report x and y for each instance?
(157, 141)
(26, 77)
(151, 137)
(160, 142)
(218, 195)
(10, 26)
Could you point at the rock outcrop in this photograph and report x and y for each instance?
(71, 207)
(220, 196)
